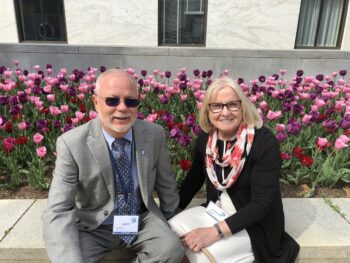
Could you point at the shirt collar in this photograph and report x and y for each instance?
(111, 139)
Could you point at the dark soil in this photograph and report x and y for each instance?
(27, 192)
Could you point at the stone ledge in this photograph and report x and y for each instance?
(318, 228)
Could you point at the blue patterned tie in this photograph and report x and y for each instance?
(126, 201)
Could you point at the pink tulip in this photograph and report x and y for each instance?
(55, 111)
(280, 127)
(81, 96)
(47, 88)
(51, 97)
(306, 119)
(199, 105)
(7, 73)
(142, 97)
(71, 77)
(321, 142)
(226, 72)
(152, 117)
(16, 62)
(64, 108)
(22, 125)
(344, 138)
(263, 105)
(37, 67)
(37, 138)
(75, 121)
(49, 71)
(79, 115)
(183, 97)
(339, 144)
(283, 71)
(271, 115)
(41, 151)
(92, 114)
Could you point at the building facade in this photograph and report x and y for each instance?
(212, 33)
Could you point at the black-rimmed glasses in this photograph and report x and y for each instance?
(234, 105)
(115, 101)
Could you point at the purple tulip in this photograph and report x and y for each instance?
(342, 72)
(167, 74)
(67, 127)
(320, 77)
(281, 136)
(196, 129)
(4, 100)
(297, 109)
(300, 72)
(37, 90)
(286, 107)
(196, 72)
(190, 121)
(240, 81)
(184, 139)
(25, 72)
(330, 124)
(13, 100)
(209, 81)
(262, 79)
(71, 91)
(204, 74)
(140, 82)
(313, 96)
(293, 127)
(140, 115)
(14, 110)
(41, 124)
(344, 124)
(48, 66)
(102, 69)
(174, 132)
(56, 124)
(166, 118)
(209, 73)
(163, 99)
(182, 85)
(23, 98)
(275, 76)
(2, 69)
(182, 77)
(144, 72)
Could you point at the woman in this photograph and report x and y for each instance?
(241, 161)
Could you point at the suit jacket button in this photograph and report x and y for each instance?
(86, 227)
(105, 213)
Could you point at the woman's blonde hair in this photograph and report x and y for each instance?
(249, 111)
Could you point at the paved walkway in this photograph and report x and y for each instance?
(321, 227)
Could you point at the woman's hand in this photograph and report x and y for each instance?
(200, 238)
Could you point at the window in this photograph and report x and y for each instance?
(40, 20)
(321, 23)
(182, 22)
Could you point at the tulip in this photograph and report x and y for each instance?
(37, 138)
(41, 151)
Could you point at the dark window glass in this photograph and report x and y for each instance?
(41, 20)
(182, 22)
(321, 23)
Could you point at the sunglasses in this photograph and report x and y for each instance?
(115, 101)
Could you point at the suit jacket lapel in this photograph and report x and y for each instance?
(100, 152)
(141, 153)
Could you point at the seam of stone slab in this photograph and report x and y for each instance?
(7, 231)
(336, 209)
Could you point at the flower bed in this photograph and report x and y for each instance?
(309, 115)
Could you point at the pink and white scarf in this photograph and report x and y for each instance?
(232, 157)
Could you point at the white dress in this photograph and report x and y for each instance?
(234, 249)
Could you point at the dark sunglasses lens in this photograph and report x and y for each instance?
(132, 102)
(112, 102)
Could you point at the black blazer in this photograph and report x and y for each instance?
(256, 196)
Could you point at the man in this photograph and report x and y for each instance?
(101, 195)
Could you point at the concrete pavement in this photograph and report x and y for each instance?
(320, 226)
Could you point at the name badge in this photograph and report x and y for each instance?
(126, 225)
(216, 212)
